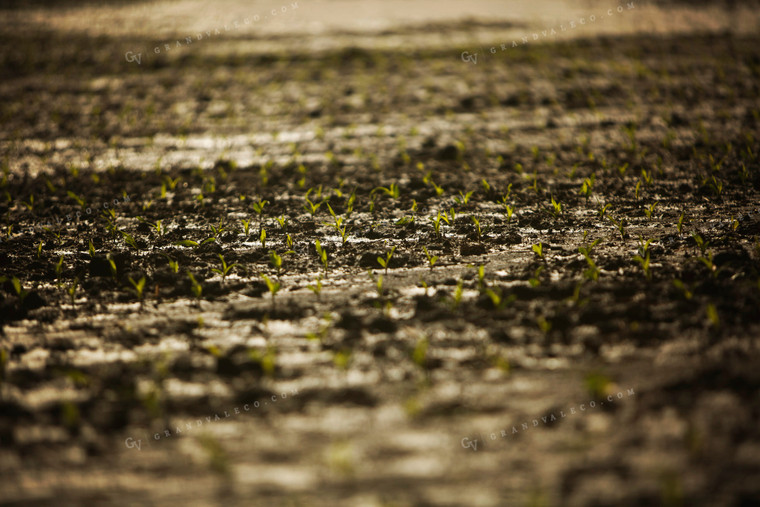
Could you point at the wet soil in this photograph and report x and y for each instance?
(597, 241)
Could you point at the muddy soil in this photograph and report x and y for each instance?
(539, 282)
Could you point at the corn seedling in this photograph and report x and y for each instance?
(317, 287)
(432, 259)
(437, 223)
(225, 269)
(312, 207)
(464, 199)
(644, 263)
(701, 243)
(322, 253)
(477, 226)
(258, 206)
(272, 286)
(246, 226)
(263, 238)
(128, 239)
(650, 210)
(195, 287)
(681, 221)
(556, 208)
(138, 287)
(538, 249)
(619, 225)
(603, 211)
(385, 263)
(275, 260)
(392, 191)
(71, 290)
(535, 281)
(19, 288)
(283, 221)
(687, 293)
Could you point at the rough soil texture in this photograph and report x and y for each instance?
(411, 385)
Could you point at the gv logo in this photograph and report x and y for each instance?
(467, 57)
(131, 57)
(473, 444)
(131, 443)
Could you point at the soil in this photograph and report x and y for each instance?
(408, 384)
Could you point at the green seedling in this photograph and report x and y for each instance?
(587, 186)
(19, 288)
(681, 221)
(322, 253)
(538, 249)
(432, 259)
(707, 260)
(246, 226)
(714, 184)
(263, 238)
(637, 189)
(216, 231)
(78, 199)
(437, 223)
(225, 268)
(283, 221)
(392, 191)
(603, 211)
(173, 265)
(464, 199)
(289, 241)
(644, 262)
(29, 205)
(317, 287)
(620, 225)
(486, 186)
(477, 226)
(419, 353)
(452, 214)
(556, 208)
(650, 210)
(481, 277)
(385, 263)
(59, 270)
(258, 206)
(71, 290)
(272, 286)
(112, 265)
(39, 249)
(535, 281)
(195, 287)
(687, 293)
(701, 243)
(128, 239)
(544, 325)
(458, 292)
(311, 207)
(138, 287)
(497, 298)
(275, 260)
(379, 286)
(712, 315)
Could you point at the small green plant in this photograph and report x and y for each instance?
(258, 206)
(385, 263)
(603, 211)
(556, 208)
(195, 287)
(317, 287)
(138, 287)
(619, 225)
(81, 202)
(538, 249)
(650, 210)
(681, 221)
(322, 253)
(535, 281)
(712, 315)
(272, 286)
(128, 239)
(432, 259)
(464, 199)
(263, 238)
(392, 191)
(477, 227)
(644, 263)
(19, 288)
(225, 269)
(275, 260)
(437, 223)
(246, 226)
(91, 249)
(701, 243)
(687, 293)
(112, 265)
(283, 221)
(312, 207)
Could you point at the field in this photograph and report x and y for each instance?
(380, 275)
